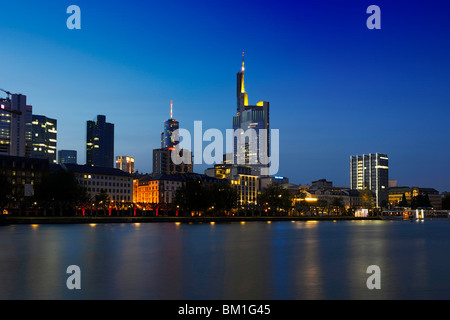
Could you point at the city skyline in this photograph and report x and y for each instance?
(338, 90)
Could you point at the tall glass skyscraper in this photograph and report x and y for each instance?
(15, 126)
(44, 131)
(250, 117)
(100, 143)
(125, 163)
(170, 125)
(371, 172)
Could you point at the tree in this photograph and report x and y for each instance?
(5, 193)
(60, 189)
(276, 198)
(446, 203)
(338, 204)
(191, 196)
(102, 199)
(403, 202)
(420, 201)
(366, 198)
(223, 197)
(321, 205)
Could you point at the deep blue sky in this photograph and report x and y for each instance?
(335, 87)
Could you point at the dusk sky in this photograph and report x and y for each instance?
(335, 87)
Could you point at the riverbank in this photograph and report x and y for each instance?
(8, 220)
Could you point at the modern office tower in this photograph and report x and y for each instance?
(162, 158)
(100, 143)
(67, 156)
(15, 126)
(43, 132)
(371, 172)
(163, 164)
(125, 163)
(246, 146)
(170, 125)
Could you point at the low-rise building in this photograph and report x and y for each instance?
(23, 173)
(266, 181)
(117, 184)
(396, 195)
(161, 188)
(241, 177)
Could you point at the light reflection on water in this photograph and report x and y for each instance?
(280, 260)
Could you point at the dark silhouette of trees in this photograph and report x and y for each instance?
(420, 201)
(5, 193)
(446, 203)
(338, 204)
(403, 202)
(221, 198)
(60, 189)
(366, 199)
(195, 196)
(275, 199)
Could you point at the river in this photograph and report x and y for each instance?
(253, 260)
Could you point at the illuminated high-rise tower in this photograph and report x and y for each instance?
(371, 172)
(162, 158)
(44, 138)
(15, 125)
(100, 143)
(250, 117)
(170, 125)
(125, 163)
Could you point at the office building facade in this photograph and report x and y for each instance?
(67, 156)
(163, 163)
(371, 172)
(117, 184)
(44, 138)
(100, 143)
(125, 163)
(15, 126)
(23, 173)
(248, 147)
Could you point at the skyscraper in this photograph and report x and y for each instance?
(43, 131)
(15, 126)
(100, 143)
(170, 125)
(67, 156)
(254, 117)
(162, 158)
(371, 172)
(125, 163)
(163, 164)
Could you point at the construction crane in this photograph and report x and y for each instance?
(10, 111)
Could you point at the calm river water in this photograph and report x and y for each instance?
(256, 260)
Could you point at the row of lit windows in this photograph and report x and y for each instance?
(106, 184)
(109, 190)
(88, 176)
(23, 181)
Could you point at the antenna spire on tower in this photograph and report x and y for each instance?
(171, 108)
